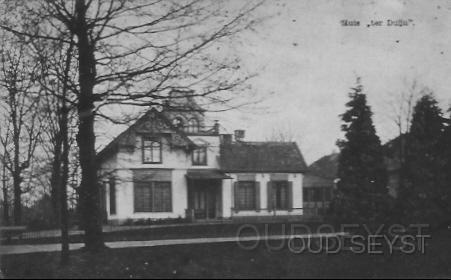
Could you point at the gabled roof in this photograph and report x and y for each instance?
(312, 180)
(325, 167)
(322, 172)
(152, 122)
(283, 157)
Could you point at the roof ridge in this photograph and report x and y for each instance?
(265, 142)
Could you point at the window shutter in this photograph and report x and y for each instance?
(290, 196)
(112, 196)
(257, 196)
(234, 196)
(270, 205)
(169, 193)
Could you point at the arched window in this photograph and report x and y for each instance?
(193, 126)
(178, 122)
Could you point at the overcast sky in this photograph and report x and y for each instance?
(308, 61)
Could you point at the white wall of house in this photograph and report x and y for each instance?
(175, 158)
(263, 178)
(179, 161)
(227, 199)
(125, 197)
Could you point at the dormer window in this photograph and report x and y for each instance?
(178, 123)
(193, 126)
(152, 152)
(200, 156)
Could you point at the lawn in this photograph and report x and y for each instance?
(186, 231)
(229, 260)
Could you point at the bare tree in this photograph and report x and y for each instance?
(400, 114)
(283, 134)
(401, 106)
(133, 53)
(19, 101)
(56, 60)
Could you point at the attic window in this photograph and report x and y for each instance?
(151, 148)
(200, 156)
(193, 126)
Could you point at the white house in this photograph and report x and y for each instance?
(169, 164)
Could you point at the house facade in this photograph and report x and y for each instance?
(171, 164)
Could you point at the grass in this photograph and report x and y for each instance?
(188, 231)
(229, 260)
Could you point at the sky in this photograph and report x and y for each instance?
(307, 61)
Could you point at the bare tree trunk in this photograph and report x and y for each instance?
(5, 198)
(17, 178)
(89, 189)
(63, 191)
(55, 180)
(64, 132)
(17, 200)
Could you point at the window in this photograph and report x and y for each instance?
(153, 197)
(310, 194)
(112, 196)
(245, 195)
(317, 194)
(280, 193)
(178, 122)
(193, 126)
(151, 150)
(200, 156)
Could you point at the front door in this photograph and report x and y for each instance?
(203, 199)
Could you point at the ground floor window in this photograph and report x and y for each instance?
(246, 195)
(281, 195)
(317, 194)
(153, 197)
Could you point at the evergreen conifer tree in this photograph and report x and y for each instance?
(445, 149)
(421, 194)
(362, 186)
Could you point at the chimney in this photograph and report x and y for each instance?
(216, 127)
(239, 135)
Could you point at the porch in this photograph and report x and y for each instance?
(204, 194)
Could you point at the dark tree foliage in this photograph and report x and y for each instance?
(445, 172)
(362, 186)
(421, 194)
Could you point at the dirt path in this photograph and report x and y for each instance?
(27, 249)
